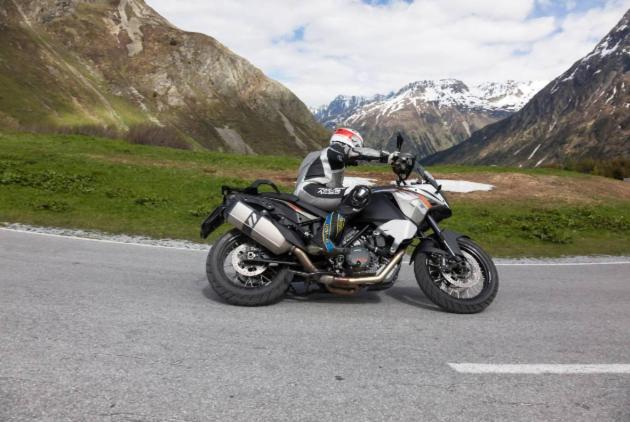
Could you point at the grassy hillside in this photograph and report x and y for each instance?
(113, 186)
(81, 67)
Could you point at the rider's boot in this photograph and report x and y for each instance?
(324, 240)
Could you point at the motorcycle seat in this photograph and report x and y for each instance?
(295, 200)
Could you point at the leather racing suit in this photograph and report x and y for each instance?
(320, 183)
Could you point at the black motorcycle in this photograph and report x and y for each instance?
(255, 263)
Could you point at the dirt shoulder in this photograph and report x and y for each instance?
(519, 187)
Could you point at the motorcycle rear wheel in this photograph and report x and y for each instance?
(461, 296)
(252, 285)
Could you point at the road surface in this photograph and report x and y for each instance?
(96, 331)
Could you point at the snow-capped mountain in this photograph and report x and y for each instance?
(583, 113)
(433, 114)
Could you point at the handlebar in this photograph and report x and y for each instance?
(426, 176)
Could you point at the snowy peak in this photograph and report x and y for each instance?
(342, 106)
(495, 97)
(611, 53)
(432, 114)
(509, 95)
(617, 42)
(582, 114)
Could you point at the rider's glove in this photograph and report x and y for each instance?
(392, 157)
(388, 157)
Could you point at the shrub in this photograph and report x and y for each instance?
(48, 180)
(617, 168)
(85, 130)
(146, 134)
(150, 201)
(54, 206)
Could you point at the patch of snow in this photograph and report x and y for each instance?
(570, 77)
(533, 152)
(351, 181)
(607, 51)
(552, 125)
(463, 186)
(459, 186)
(612, 95)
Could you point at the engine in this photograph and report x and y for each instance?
(365, 254)
(360, 260)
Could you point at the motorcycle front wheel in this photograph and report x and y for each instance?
(465, 288)
(239, 282)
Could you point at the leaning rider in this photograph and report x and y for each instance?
(320, 183)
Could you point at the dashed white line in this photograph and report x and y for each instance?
(540, 368)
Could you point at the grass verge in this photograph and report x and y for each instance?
(112, 186)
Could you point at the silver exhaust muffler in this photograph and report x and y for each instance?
(258, 227)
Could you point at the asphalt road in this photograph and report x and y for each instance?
(95, 331)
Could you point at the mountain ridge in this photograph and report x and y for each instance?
(118, 63)
(433, 114)
(584, 113)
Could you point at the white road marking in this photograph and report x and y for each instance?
(540, 368)
(203, 248)
(553, 264)
(107, 240)
(559, 264)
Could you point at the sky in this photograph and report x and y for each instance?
(322, 48)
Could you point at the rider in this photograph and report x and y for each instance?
(320, 183)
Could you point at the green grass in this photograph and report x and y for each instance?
(116, 187)
(544, 229)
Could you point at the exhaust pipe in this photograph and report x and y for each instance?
(379, 277)
(304, 259)
(331, 280)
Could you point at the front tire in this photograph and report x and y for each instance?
(265, 288)
(454, 294)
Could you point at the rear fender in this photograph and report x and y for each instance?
(213, 221)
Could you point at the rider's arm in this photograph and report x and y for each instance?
(367, 154)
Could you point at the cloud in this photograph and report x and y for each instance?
(327, 47)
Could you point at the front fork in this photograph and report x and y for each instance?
(447, 238)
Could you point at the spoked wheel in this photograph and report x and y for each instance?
(460, 287)
(239, 281)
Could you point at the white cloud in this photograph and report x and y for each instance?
(349, 47)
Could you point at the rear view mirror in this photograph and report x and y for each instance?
(399, 141)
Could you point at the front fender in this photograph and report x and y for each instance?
(432, 244)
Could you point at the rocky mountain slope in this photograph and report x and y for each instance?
(434, 115)
(583, 113)
(117, 63)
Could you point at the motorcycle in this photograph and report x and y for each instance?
(256, 262)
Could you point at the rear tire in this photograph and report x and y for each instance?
(440, 297)
(229, 288)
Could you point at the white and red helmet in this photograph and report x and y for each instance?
(347, 136)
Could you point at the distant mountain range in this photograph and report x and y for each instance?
(434, 115)
(117, 63)
(583, 113)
